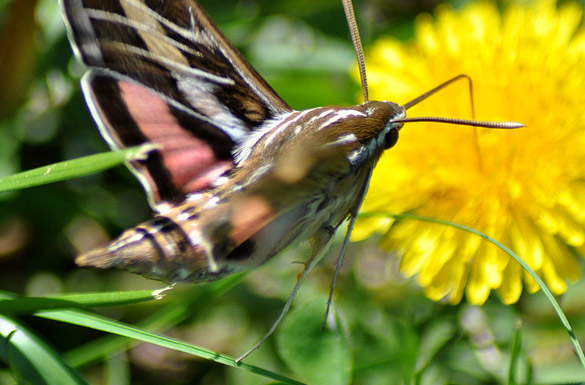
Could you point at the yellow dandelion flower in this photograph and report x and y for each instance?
(523, 187)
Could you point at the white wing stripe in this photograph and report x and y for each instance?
(188, 34)
(122, 20)
(177, 68)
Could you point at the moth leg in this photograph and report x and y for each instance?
(352, 218)
(320, 243)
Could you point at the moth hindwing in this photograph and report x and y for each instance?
(237, 175)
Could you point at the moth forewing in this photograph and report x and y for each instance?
(161, 72)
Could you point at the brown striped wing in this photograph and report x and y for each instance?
(161, 72)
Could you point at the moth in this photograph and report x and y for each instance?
(237, 175)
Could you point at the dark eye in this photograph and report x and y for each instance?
(391, 138)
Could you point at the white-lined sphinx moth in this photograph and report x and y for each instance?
(237, 174)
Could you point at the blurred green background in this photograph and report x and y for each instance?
(303, 49)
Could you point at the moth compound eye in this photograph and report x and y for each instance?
(391, 138)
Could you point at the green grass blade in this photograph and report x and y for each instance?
(165, 318)
(72, 168)
(507, 250)
(515, 356)
(31, 359)
(104, 324)
(11, 304)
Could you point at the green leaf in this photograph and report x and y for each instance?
(318, 356)
(31, 359)
(435, 337)
(72, 168)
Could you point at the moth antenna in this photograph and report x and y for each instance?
(357, 45)
(438, 88)
(319, 250)
(464, 122)
(353, 217)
